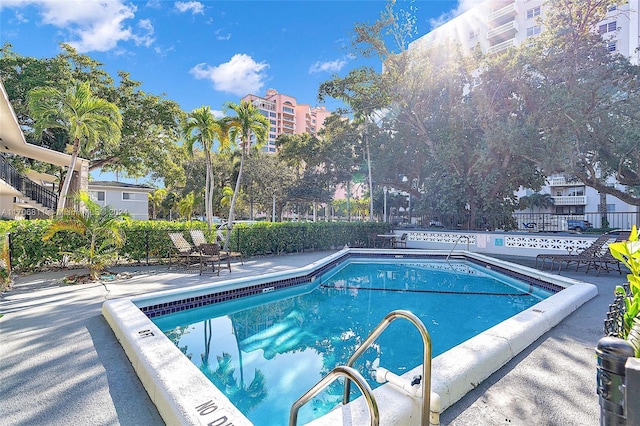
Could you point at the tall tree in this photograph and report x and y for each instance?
(202, 127)
(247, 126)
(150, 123)
(89, 120)
(589, 99)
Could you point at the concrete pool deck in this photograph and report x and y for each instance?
(60, 363)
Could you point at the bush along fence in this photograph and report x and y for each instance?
(148, 241)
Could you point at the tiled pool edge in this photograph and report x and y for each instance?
(193, 400)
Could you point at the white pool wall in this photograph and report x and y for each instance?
(184, 396)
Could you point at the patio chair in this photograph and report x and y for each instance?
(198, 238)
(585, 256)
(400, 242)
(210, 253)
(184, 252)
(605, 259)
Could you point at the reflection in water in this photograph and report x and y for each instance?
(288, 345)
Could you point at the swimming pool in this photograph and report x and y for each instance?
(266, 353)
(183, 396)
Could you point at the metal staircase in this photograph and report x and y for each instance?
(419, 387)
(33, 194)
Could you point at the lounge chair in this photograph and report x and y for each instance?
(585, 256)
(210, 253)
(184, 252)
(198, 238)
(605, 259)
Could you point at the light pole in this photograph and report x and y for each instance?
(384, 190)
(273, 210)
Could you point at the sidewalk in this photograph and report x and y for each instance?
(61, 364)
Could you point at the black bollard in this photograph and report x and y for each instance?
(612, 355)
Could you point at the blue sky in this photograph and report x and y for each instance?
(207, 52)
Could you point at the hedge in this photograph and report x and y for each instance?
(148, 241)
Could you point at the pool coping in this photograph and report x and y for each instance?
(192, 399)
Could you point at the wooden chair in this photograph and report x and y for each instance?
(182, 250)
(210, 253)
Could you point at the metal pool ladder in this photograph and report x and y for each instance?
(460, 237)
(382, 375)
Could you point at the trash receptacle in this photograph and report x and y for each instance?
(612, 355)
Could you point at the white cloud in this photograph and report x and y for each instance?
(220, 36)
(92, 25)
(240, 76)
(331, 66)
(194, 7)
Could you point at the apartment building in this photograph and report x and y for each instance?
(31, 195)
(496, 25)
(122, 197)
(287, 116)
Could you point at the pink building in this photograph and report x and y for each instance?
(286, 115)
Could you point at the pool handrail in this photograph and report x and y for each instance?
(350, 374)
(426, 361)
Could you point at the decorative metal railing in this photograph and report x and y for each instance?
(26, 186)
(613, 325)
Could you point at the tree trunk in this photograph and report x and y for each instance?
(366, 140)
(67, 179)
(235, 196)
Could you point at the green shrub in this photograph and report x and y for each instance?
(149, 240)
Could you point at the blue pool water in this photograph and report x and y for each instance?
(265, 351)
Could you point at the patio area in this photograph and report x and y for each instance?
(61, 364)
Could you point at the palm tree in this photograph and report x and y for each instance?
(101, 228)
(185, 206)
(247, 122)
(89, 120)
(227, 196)
(155, 198)
(203, 128)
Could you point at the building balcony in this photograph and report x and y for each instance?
(561, 181)
(504, 13)
(501, 46)
(505, 31)
(569, 200)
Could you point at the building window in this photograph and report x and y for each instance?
(612, 8)
(608, 28)
(535, 30)
(473, 34)
(272, 114)
(134, 196)
(97, 195)
(532, 13)
(612, 46)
